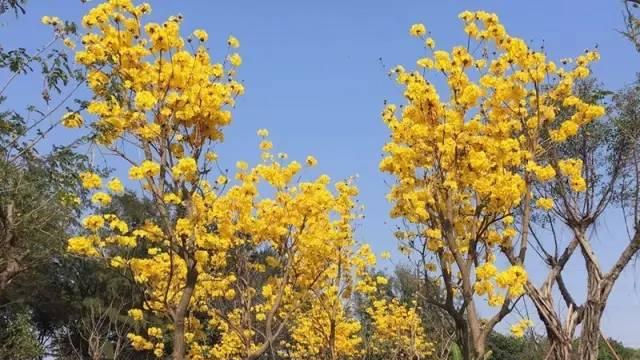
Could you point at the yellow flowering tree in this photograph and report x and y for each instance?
(465, 164)
(154, 94)
(224, 268)
(328, 327)
(397, 331)
(325, 331)
(353, 317)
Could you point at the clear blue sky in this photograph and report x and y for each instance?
(314, 79)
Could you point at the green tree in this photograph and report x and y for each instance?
(18, 338)
(35, 184)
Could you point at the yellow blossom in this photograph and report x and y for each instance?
(311, 161)
(187, 168)
(233, 42)
(72, 120)
(135, 314)
(418, 30)
(201, 35)
(520, 327)
(90, 180)
(101, 198)
(115, 186)
(545, 203)
(235, 59)
(82, 246)
(93, 222)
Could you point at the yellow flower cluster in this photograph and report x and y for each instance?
(101, 198)
(115, 186)
(93, 222)
(572, 169)
(545, 203)
(139, 343)
(520, 327)
(72, 120)
(187, 168)
(148, 168)
(135, 314)
(90, 180)
(151, 64)
(51, 20)
(514, 279)
(418, 30)
(82, 245)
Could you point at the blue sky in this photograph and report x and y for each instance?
(315, 74)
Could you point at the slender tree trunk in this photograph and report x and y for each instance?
(472, 343)
(559, 333)
(599, 286)
(559, 347)
(464, 340)
(477, 333)
(332, 341)
(598, 290)
(479, 348)
(7, 274)
(590, 336)
(469, 336)
(179, 344)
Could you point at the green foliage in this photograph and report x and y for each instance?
(456, 353)
(622, 352)
(17, 6)
(18, 338)
(531, 348)
(511, 348)
(74, 299)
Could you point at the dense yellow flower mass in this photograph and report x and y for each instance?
(154, 66)
(312, 331)
(303, 226)
(465, 158)
(398, 329)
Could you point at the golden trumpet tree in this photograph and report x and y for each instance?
(327, 328)
(226, 264)
(387, 329)
(398, 331)
(465, 160)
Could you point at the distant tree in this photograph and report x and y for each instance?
(505, 347)
(611, 349)
(37, 189)
(408, 286)
(18, 337)
(632, 22)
